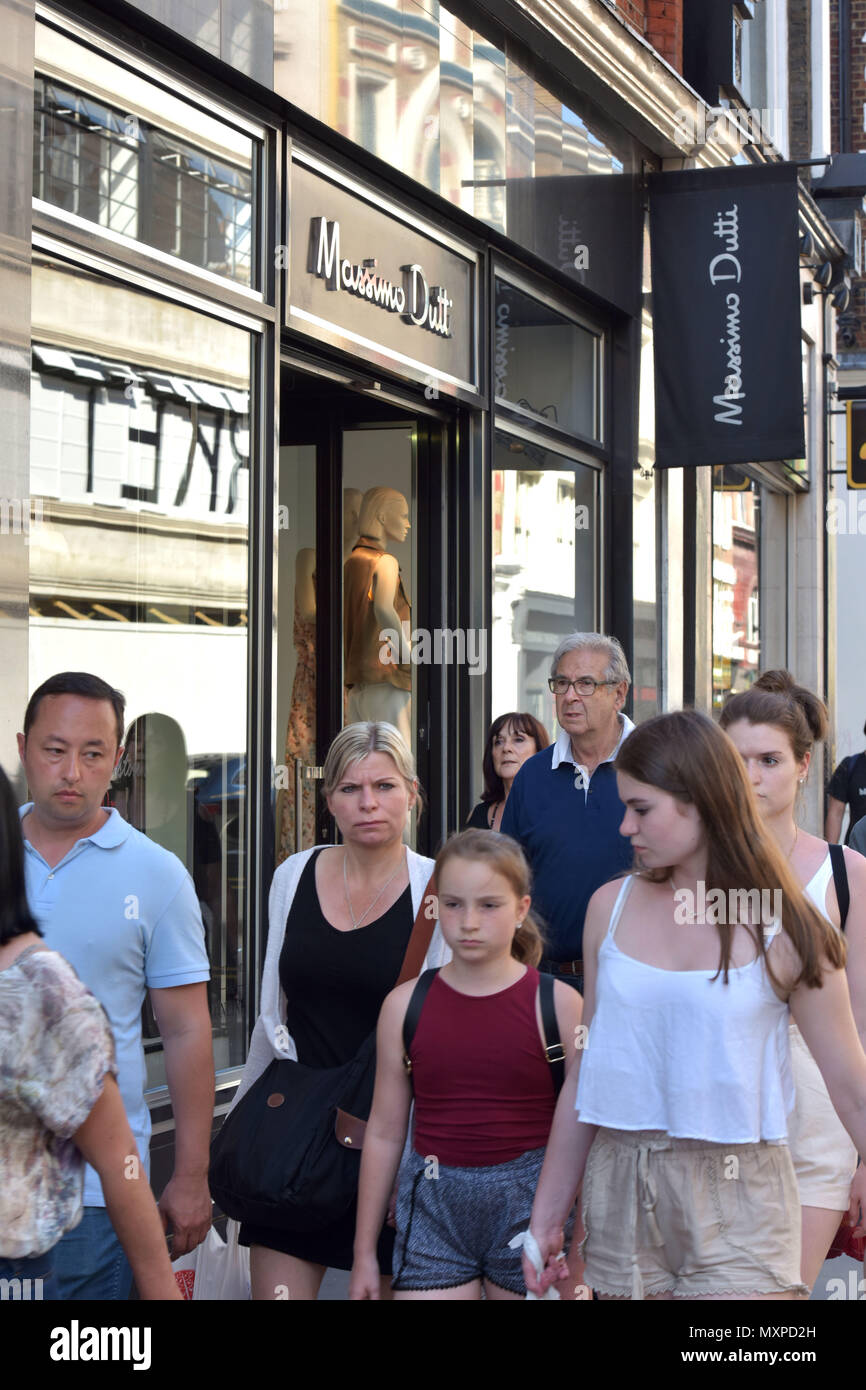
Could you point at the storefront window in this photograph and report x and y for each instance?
(380, 577)
(241, 32)
(545, 364)
(122, 153)
(140, 458)
(296, 785)
(417, 86)
(645, 673)
(737, 619)
(545, 514)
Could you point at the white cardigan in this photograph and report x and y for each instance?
(271, 1038)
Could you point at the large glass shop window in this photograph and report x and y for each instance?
(119, 151)
(545, 547)
(646, 689)
(736, 583)
(296, 788)
(379, 577)
(138, 572)
(545, 365)
(416, 85)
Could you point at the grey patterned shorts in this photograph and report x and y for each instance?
(454, 1224)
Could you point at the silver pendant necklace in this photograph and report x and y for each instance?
(356, 922)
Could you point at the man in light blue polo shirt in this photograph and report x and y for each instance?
(124, 912)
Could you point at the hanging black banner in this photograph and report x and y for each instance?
(726, 316)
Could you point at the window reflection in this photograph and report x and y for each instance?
(140, 457)
(544, 567)
(736, 583)
(296, 651)
(119, 152)
(378, 671)
(423, 90)
(645, 582)
(544, 363)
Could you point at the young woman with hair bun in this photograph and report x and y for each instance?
(774, 726)
(683, 1086)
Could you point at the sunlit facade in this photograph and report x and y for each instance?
(269, 261)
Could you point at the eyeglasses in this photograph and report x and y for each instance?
(584, 685)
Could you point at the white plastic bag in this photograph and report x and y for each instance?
(216, 1269)
(527, 1241)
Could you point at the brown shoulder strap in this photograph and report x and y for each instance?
(422, 932)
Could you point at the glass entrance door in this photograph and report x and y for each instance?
(379, 574)
(296, 762)
(348, 579)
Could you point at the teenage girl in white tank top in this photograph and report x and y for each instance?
(773, 725)
(697, 1014)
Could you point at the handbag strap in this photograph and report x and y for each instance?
(422, 934)
(553, 1050)
(840, 879)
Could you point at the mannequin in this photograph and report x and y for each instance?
(301, 730)
(374, 600)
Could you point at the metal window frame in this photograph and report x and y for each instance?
(575, 455)
(572, 311)
(78, 241)
(262, 134)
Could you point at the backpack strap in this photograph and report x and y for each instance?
(840, 879)
(554, 1050)
(413, 1013)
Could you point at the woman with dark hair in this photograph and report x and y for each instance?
(773, 726)
(59, 1102)
(683, 1087)
(512, 739)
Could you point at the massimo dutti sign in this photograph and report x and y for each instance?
(726, 316)
(367, 277)
(413, 300)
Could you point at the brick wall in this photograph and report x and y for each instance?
(634, 12)
(857, 59)
(661, 24)
(800, 78)
(834, 76)
(850, 326)
(664, 29)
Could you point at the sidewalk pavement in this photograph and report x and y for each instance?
(335, 1285)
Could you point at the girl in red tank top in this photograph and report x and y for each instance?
(483, 1090)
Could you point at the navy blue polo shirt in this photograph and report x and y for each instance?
(570, 835)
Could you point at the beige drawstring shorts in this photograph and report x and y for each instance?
(682, 1216)
(822, 1152)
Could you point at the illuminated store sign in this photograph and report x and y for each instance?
(414, 300)
(366, 275)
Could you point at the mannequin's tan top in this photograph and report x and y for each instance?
(361, 627)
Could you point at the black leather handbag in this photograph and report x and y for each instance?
(289, 1154)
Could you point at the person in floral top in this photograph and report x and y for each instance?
(59, 1103)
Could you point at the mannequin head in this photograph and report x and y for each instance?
(352, 498)
(384, 515)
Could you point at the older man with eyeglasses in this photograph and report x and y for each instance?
(563, 806)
